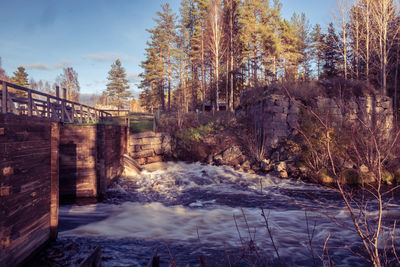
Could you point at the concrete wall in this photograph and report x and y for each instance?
(149, 147)
(90, 158)
(28, 186)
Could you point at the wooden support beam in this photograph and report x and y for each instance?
(92, 119)
(48, 108)
(66, 112)
(4, 101)
(80, 114)
(73, 111)
(29, 103)
(63, 110)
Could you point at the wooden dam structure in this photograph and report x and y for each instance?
(43, 148)
(51, 150)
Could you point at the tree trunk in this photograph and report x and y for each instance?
(169, 76)
(216, 56)
(231, 77)
(396, 81)
(203, 71)
(367, 38)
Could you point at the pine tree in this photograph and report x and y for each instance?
(231, 17)
(302, 27)
(188, 69)
(198, 43)
(117, 88)
(252, 16)
(290, 50)
(153, 76)
(167, 34)
(331, 53)
(20, 78)
(318, 44)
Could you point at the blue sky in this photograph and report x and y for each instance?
(46, 35)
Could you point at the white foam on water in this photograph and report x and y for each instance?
(215, 226)
(207, 222)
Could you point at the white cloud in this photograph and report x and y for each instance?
(133, 77)
(108, 56)
(41, 66)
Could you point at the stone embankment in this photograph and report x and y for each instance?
(149, 147)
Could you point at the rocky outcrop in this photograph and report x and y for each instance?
(276, 117)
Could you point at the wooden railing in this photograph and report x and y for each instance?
(24, 101)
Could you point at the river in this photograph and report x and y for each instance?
(188, 210)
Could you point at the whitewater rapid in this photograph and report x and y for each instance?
(189, 209)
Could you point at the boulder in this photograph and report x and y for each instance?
(351, 177)
(246, 165)
(232, 156)
(388, 177)
(283, 174)
(266, 165)
(323, 177)
(280, 166)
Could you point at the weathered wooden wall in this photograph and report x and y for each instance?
(28, 186)
(78, 176)
(39, 160)
(90, 158)
(111, 146)
(149, 147)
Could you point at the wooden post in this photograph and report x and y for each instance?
(48, 107)
(54, 180)
(4, 98)
(63, 110)
(57, 92)
(81, 114)
(30, 103)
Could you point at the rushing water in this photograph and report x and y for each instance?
(190, 210)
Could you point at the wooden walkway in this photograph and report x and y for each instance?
(24, 101)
